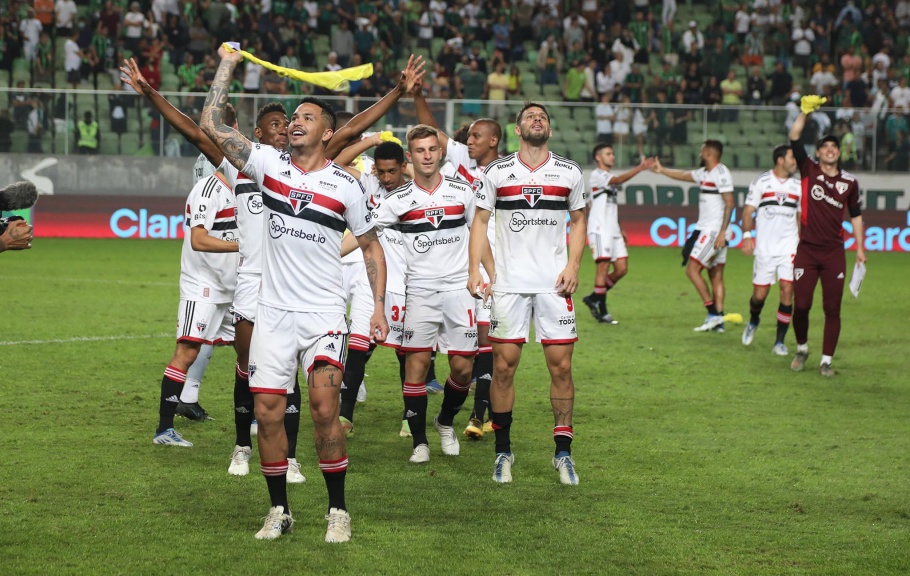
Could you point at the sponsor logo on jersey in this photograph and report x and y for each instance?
(518, 222)
(511, 177)
(566, 320)
(277, 229)
(413, 203)
(205, 292)
(330, 347)
(254, 203)
(286, 173)
(299, 199)
(818, 193)
(841, 187)
(559, 164)
(434, 215)
(532, 194)
(551, 176)
(423, 243)
(327, 185)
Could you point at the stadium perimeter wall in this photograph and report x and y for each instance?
(127, 197)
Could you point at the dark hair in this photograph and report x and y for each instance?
(600, 146)
(527, 105)
(389, 151)
(495, 128)
(780, 152)
(715, 145)
(327, 111)
(461, 135)
(230, 115)
(829, 138)
(268, 109)
(342, 118)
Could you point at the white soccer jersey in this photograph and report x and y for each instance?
(531, 205)
(306, 214)
(209, 276)
(202, 169)
(434, 225)
(390, 238)
(777, 205)
(604, 216)
(713, 183)
(466, 169)
(249, 217)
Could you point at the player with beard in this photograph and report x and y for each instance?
(469, 161)
(531, 192)
(309, 202)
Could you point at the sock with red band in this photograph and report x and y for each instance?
(415, 411)
(453, 399)
(502, 424)
(784, 314)
(276, 478)
(243, 408)
(562, 435)
(333, 472)
(171, 387)
(292, 419)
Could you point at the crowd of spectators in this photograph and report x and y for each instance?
(633, 52)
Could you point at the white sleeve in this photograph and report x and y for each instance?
(699, 175)
(577, 192)
(470, 206)
(229, 171)
(384, 216)
(754, 196)
(255, 165)
(201, 205)
(724, 181)
(457, 154)
(486, 191)
(356, 213)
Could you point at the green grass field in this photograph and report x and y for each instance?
(696, 455)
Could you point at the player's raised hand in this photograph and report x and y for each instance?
(226, 52)
(657, 167)
(648, 163)
(810, 103)
(132, 76)
(567, 282)
(412, 75)
(379, 326)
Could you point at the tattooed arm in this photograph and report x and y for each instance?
(235, 146)
(374, 260)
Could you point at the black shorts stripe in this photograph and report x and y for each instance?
(188, 311)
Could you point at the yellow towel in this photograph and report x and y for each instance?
(338, 81)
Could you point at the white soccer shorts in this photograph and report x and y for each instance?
(440, 318)
(554, 318)
(766, 269)
(246, 297)
(394, 314)
(704, 251)
(205, 322)
(607, 247)
(284, 340)
(360, 297)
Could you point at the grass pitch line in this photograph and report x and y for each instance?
(85, 339)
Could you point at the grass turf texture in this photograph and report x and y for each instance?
(696, 455)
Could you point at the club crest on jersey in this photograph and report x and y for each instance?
(200, 326)
(532, 194)
(841, 187)
(435, 215)
(798, 273)
(299, 200)
(781, 197)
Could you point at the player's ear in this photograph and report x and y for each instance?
(327, 135)
(407, 155)
(257, 132)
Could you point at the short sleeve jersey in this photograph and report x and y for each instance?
(390, 238)
(209, 276)
(531, 203)
(249, 217)
(434, 228)
(305, 216)
(466, 169)
(713, 184)
(824, 200)
(604, 217)
(371, 187)
(776, 202)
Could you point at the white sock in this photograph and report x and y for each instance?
(825, 360)
(190, 394)
(802, 347)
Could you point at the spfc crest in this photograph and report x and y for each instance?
(435, 215)
(781, 197)
(299, 200)
(200, 326)
(841, 187)
(532, 194)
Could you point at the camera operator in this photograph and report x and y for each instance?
(16, 233)
(17, 236)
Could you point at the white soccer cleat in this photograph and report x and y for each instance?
(240, 461)
(749, 333)
(170, 437)
(566, 468)
(502, 467)
(780, 349)
(421, 454)
(276, 524)
(711, 322)
(362, 392)
(339, 529)
(448, 438)
(294, 476)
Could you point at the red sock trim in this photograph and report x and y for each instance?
(600, 289)
(409, 389)
(334, 466)
(610, 282)
(175, 374)
(274, 468)
(709, 302)
(785, 318)
(457, 386)
(563, 431)
(241, 373)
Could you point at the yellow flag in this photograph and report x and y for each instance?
(338, 81)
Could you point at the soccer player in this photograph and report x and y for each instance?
(531, 192)
(771, 232)
(207, 283)
(827, 192)
(308, 203)
(469, 161)
(605, 236)
(433, 214)
(712, 231)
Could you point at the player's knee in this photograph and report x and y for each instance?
(269, 409)
(832, 310)
(323, 411)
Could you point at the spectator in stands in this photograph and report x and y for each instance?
(65, 11)
(515, 88)
(6, 129)
(718, 60)
(502, 35)
(711, 96)
(803, 38)
(604, 116)
(626, 44)
(343, 43)
(622, 120)
(781, 85)
(690, 36)
(732, 95)
(693, 88)
(634, 84)
(43, 64)
(134, 25)
(823, 81)
(470, 84)
(679, 133)
(73, 60)
(574, 82)
(425, 31)
(660, 122)
(898, 158)
(620, 68)
(821, 25)
(549, 61)
(693, 56)
(187, 72)
(30, 28)
(497, 90)
(899, 96)
(755, 88)
(36, 127)
(87, 134)
(109, 15)
(605, 83)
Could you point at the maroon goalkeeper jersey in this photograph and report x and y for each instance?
(824, 201)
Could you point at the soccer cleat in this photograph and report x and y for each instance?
(421, 454)
(719, 328)
(193, 412)
(293, 474)
(240, 461)
(434, 387)
(339, 529)
(448, 438)
(826, 370)
(362, 393)
(347, 427)
(593, 307)
(780, 349)
(474, 430)
(502, 467)
(608, 319)
(712, 321)
(276, 524)
(566, 468)
(405, 431)
(170, 437)
(488, 427)
(254, 427)
(799, 361)
(749, 333)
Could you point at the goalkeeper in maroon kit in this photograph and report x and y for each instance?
(827, 192)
